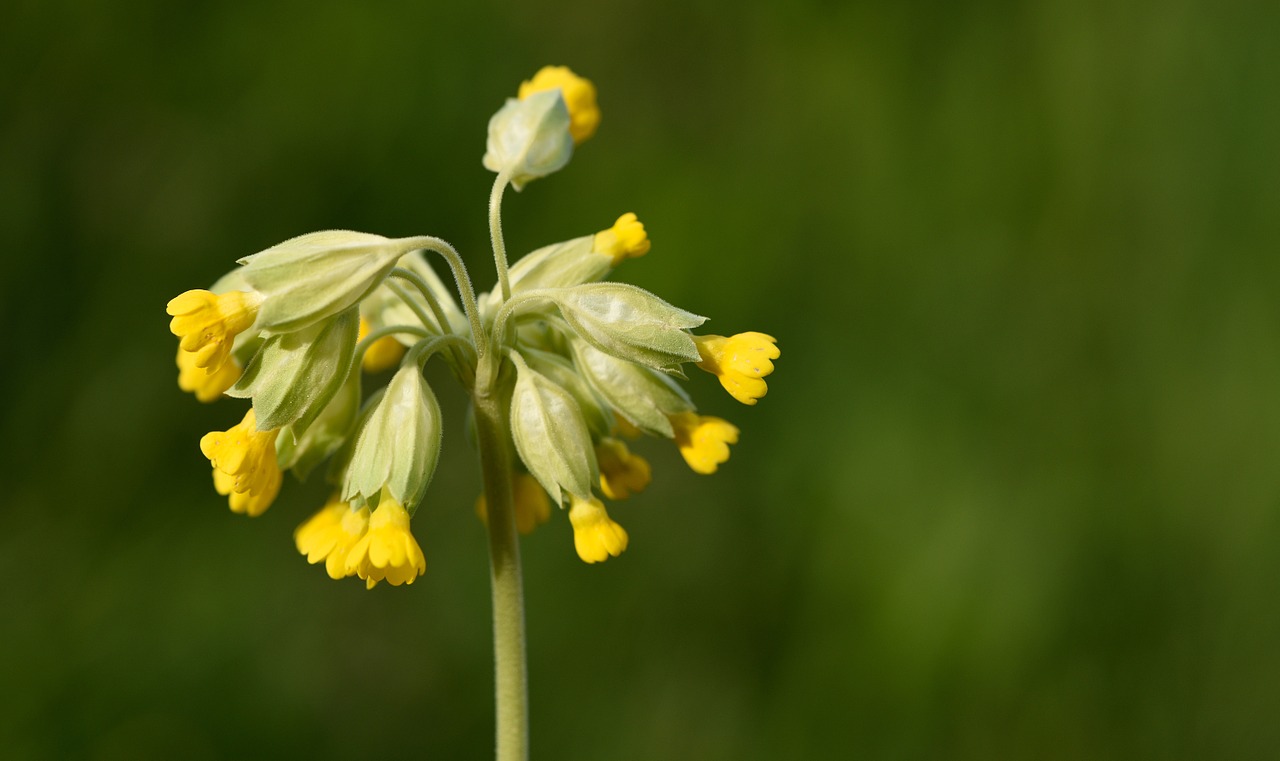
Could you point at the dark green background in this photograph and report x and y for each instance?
(1013, 493)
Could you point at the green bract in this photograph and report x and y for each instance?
(629, 322)
(551, 435)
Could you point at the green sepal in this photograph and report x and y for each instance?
(561, 372)
(551, 436)
(398, 445)
(529, 137)
(294, 375)
(629, 323)
(336, 473)
(325, 435)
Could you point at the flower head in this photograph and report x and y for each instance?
(244, 464)
(625, 240)
(703, 441)
(330, 535)
(578, 93)
(208, 323)
(383, 354)
(621, 472)
(532, 506)
(595, 536)
(740, 362)
(388, 550)
(207, 386)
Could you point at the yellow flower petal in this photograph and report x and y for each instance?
(207, 386)
(532, 505)
(595, 535)
(330, 535)
(387, 551)
(703, 441)
(384, 354)
(625, 240)
(244, 465)
(208, 323)
(621, 472)
(740, 362)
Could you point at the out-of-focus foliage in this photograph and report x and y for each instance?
(1013, 493)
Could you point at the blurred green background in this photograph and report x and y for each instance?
(1014, 492)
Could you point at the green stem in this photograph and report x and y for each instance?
(416, 308)
(510, 669)
(414, 279)
(463, 280)
(495, 232)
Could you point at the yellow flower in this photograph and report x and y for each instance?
(703, 441)
(244, 465)
(621, 472)
(595, 536)
(387, 551)
(740, 361)
(578, 93)
(331, 534)
(384, 354)
(532, 506)
(208, 323)
(207, 386)
(625, 240)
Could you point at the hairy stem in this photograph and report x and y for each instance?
(495, 232)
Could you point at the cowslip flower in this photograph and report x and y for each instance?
(387, 551)
(740, 362)
(244, 464)
(621, 472)
(626, 239)
(207, 386)
(579, 96)
(596, 536)
(703, 440)
(331, 534)
(384, 354)
(208, 323)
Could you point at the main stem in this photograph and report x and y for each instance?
(510, 669)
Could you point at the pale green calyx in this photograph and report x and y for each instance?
(317, 275)
(561, 371)
(629, 322)
(294, 375)
(641, 396)
(529, 138)
(326, 433)
(398, 444)
(550, 435)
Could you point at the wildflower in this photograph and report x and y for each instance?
(578, 93)
(625, 240)
(595, 536)
(207, 386)
(244, 463)
(703, 441)
(530, 502)
(383, 354)
(621, 472)
(331, 534)
(740, 362)
(387, 551)
(208, 323)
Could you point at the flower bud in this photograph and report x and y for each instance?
(529, 138)
(398, 444)
(579, 97)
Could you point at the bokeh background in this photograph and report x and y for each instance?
(1013, 494)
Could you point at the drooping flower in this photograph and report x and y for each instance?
(703, 441)
(383, 354)
(740, 362)
(530, 502)
(596, 536)
(244, 464)
(387, 551)
(579, 96)
(207, 386)
(627, 239)
(208, 323)
(621, 472)
(331, 534)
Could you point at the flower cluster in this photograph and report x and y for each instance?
(576, 363)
